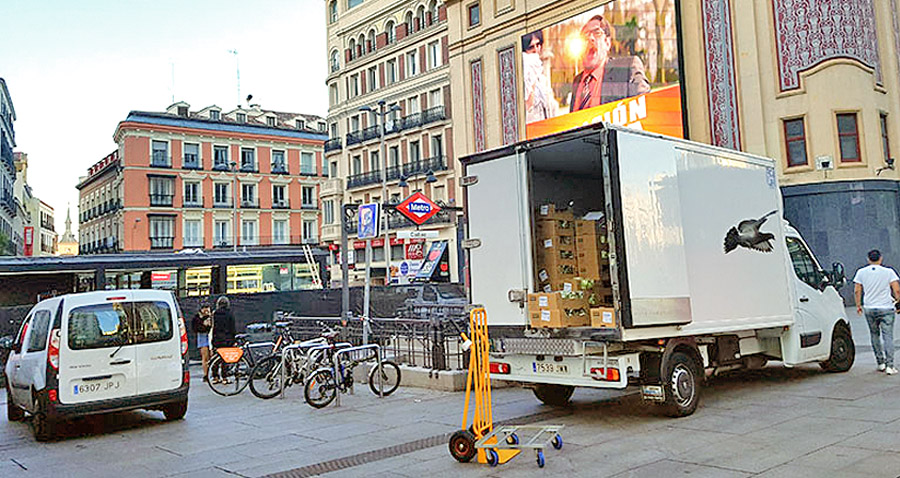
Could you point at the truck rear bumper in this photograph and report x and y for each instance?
(578, 371)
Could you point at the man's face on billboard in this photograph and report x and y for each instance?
(596, 45)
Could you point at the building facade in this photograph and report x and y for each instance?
(205, 179)
(35, 217)
(10, 223)
(394, 53)
(812, 84)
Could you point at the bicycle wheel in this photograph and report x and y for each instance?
(320, 388)
(265, 378)
(389, 378)
(228, 379)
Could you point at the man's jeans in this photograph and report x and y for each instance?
(881, 322)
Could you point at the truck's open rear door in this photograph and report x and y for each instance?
(502, 263)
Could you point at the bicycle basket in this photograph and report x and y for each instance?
(230, 354)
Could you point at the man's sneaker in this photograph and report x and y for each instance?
(890, 370)
(881, 367)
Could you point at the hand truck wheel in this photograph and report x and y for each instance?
(557, 442)
(462, 446)
(540, 458)
(492, 458)
(512, 439)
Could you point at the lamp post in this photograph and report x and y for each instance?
(384, 199)
(234, 229)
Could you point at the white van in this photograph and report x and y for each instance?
(97, 352)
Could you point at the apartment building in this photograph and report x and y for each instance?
(389, 56)
(183, 179)
(10, 208)
(38, 229)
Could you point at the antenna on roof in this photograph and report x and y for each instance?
(237, 64)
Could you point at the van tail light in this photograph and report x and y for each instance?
(186, 378)
(184, 341)
(606, 374)
(53, 351)
(500, 368)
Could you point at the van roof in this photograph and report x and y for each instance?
(102, 295)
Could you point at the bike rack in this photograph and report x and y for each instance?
(312, 346)
(336, 364)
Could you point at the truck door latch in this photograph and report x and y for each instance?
(517, 295)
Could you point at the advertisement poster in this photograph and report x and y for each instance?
(616, 63)
(29, 241)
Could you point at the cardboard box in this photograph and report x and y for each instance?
(547, 228)
(555, 301)
(564, 284)
(554, 256)
(603, 318)
(591, 243)
(557, 319)
(549, 211)
(584, 227)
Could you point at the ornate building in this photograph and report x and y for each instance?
(68, 243)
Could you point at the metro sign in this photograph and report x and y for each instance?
(418, 208)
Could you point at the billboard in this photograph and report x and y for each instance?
(617, 63)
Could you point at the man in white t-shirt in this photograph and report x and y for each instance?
(878, 283)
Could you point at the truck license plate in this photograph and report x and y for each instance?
(550, 368)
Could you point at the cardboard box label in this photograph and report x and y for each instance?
(543, 302)
(543, 276)
(567, 287)
(607, 317)
(548, 243)
(545, 209)
(548, 288)
(545, 315)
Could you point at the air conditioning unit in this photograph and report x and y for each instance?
(824, 162)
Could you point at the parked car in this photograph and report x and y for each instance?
(97, 352)
(427, 300)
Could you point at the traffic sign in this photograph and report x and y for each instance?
(418, 208)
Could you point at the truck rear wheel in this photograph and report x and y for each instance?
(681, 380)
(553, 395)
(843, 352)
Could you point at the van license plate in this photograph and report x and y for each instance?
(100, 386)
(543, 368)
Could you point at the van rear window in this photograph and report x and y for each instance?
(119, 323)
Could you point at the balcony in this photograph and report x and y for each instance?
(191, 161)
(249, 168)
(281, 204)
(162, 242)
(7, 157)
(413, 120)
(160, 159)
(422, 166)
(194, 203)
(10, 204)
(354, 137)
(331, 232)
(433, 114)
(222, 203)
(307, 171)
(279, 168)
(370, 133)
(161, 199)
(252, 203)
(364, 179)
(332, 187)
(221, 167)
(333, 144)
(309, 206)
(108, 245)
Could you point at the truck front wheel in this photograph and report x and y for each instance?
(553, 395)
(681, 379)
(843, 351)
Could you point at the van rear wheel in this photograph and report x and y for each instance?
(553, 395)
(13, 412)
(175, 411)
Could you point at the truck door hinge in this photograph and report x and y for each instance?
(471, 243)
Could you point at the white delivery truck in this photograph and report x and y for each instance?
(705, 274)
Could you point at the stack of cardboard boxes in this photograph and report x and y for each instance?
(573, 272)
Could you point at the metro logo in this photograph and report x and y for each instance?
(418, 208)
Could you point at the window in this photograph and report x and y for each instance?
(192, 193)
(433, 8)
(370, 41)
(885, 138)
(357, 165)
(333, 170)
(278, 164)
(389, 29)
(332, 11)
(353, 3)
(352, 47)
(412, 105)
(98, 326)
(804, 265)
(40, 325)
(354, 123)
(214, 115)
(437, 146)
(414, 151)
(220, 157)
(248, 159)
(354, 85)
(308, 196)
(848, 138)
(374, 163)
(221, 194)
(192, 155)
(309, 231)
(161, 191)
(241, 117)
(390, 72)
(325, 168)
(795, 142)
(270, 121)
(182, 111)
(322, 126)
(435, 98)
(160, 155)
(394, 156)
(221, 234)
(474, 15)
(301, 124)
(279, 199)
(434, 55)
(193, 233)
(334, 130)
(328, 211)
(162, 232)
(411, 66)
(248, 195)
(307, 165)
(373, 82)
(439, 193)
(279, 231)
(409, 23)
(151, 322)
(248, 232)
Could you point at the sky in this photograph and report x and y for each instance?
(75, 69)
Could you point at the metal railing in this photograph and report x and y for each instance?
(160, 159)
(333, 144)
(354, 137)
(161, 199)
(283, 204)
(413, 120)
(222, 204)
(250, 203)
(435, 113)
(162, 242)
(370, 133)
(279, 168)
(363, 179)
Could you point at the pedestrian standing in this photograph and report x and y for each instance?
(202, 324)
(223, 329)
(877, 283)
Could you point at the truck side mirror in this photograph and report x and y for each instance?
(837, 275)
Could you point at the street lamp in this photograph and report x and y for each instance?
(234, 229)
(384, 200)
(429, 178)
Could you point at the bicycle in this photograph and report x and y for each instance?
(268, 378)
(321, 388)
(229, 369)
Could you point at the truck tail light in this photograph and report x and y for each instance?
(184, 340)
(500, 368)
(53, 350)
(186, 378)
(52, 395)
(608, 374)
